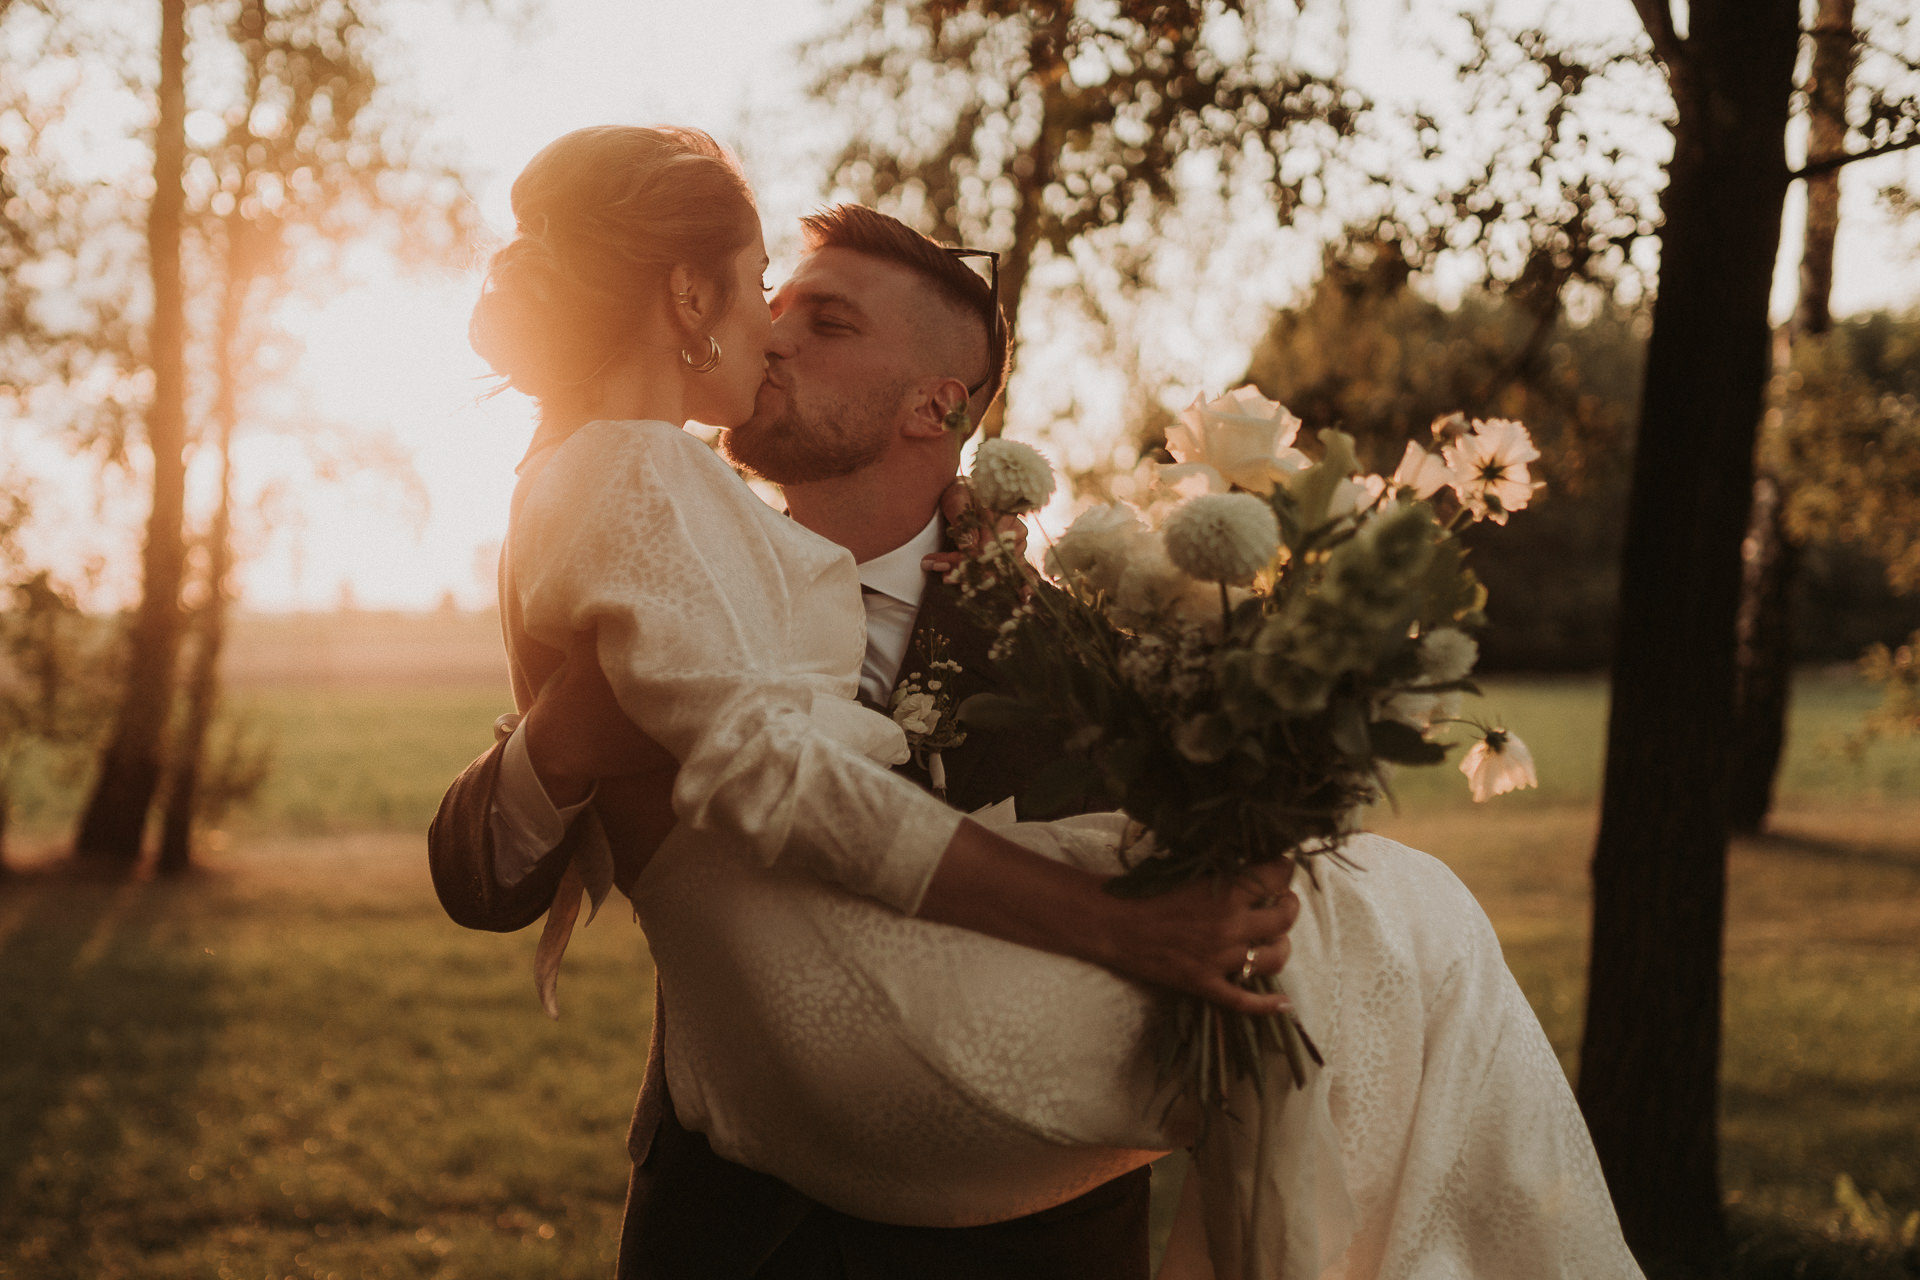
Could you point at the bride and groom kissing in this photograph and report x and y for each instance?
(890, 1040)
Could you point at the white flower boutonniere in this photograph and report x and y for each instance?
(924, 708)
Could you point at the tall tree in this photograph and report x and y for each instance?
(1649, 1061)
(310, 159)
(317, 153)
(115, 817)
(1025, 127)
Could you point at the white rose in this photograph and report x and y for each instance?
(1223, 537)
(1243, 436)
(1422, 711)
(1353, 495)
(1447, 654)
(1096, 547)
(917, 712)
(1151, 587)
(1009, 477)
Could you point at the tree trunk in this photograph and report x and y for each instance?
(1649, 1065)
(1033, 173)
(1766, 623)
(1763, 684)
(112, 825)
(203, 678)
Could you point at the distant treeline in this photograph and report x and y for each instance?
(1369, 354)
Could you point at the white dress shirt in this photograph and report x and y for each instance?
(527, 825)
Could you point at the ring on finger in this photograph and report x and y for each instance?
(1246, 965)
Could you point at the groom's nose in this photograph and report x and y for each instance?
(782, 341)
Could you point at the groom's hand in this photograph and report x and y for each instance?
(577, 733)
(1194, 939)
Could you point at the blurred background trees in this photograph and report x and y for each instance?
(274, 146)
(1031, 129)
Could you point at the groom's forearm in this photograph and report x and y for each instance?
(1194, 939)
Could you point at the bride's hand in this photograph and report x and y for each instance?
(577, 733)
(1202, 938)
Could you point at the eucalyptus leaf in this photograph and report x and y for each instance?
(1403, 744)
(996, 712)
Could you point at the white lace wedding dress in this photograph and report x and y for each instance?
(911, 1072)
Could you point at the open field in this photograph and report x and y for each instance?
(290, 1064)
(369, 716)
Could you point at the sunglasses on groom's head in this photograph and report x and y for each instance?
(993, 308)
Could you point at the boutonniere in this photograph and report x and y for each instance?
(924, 708)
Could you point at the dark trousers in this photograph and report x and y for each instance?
(694, 1216)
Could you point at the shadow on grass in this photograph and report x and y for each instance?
(1904, 857)
(105, 1029)
(1764, 1249)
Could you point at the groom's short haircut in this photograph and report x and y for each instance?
(863, 230)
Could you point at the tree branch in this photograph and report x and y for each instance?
(1827, 164)
(1657, 17)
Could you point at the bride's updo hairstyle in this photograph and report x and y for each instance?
(602, 216)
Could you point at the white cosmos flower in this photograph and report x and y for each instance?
(1243, 437)
(1424, 472)
(1447, 654)
(1489, 466)
(1223, 537)
(1009, 477)
(1498, 764)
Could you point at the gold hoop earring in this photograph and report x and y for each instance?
(712, 361)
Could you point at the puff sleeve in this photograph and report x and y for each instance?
(696, 590)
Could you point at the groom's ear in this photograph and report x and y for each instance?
(936, 409)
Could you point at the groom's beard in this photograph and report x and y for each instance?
(788, 443)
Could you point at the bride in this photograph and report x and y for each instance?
(847, 1014)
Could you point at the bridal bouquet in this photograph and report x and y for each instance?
(1241, 665)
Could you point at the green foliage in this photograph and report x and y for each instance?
(1072, 114)
(1847, 441)
(1367, 351)
(55, 667)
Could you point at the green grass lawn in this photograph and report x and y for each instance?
(294, 1065)
(291, 1064)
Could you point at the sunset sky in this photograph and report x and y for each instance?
(389, 350)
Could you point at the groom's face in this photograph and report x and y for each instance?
(840, 370)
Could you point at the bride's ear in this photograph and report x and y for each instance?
(690, 301)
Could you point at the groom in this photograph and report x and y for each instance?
(856, 422)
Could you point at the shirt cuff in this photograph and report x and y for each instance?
(525, 824)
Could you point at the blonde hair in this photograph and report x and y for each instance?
(602, 216)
